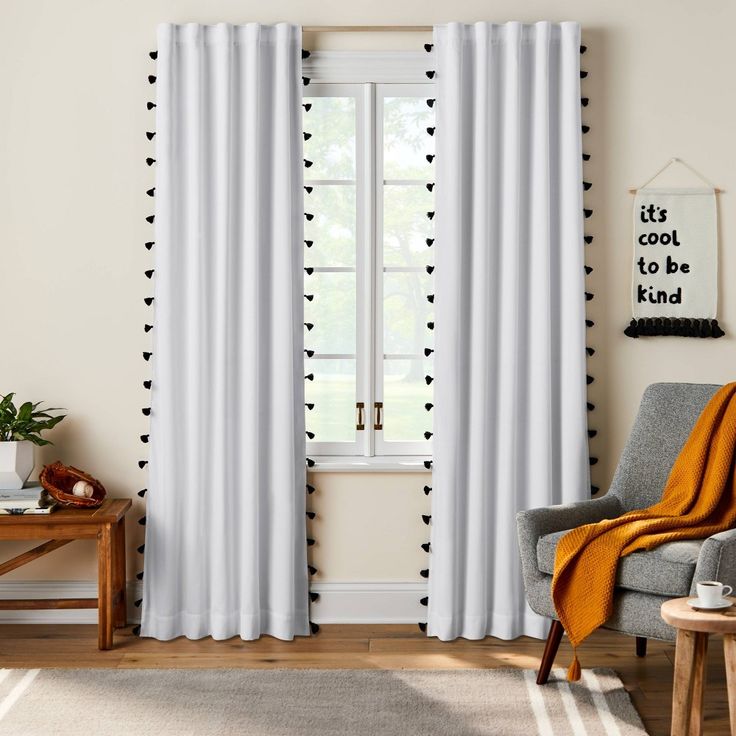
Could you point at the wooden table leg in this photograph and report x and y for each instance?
(687, 648)
(697, 678)
(729, 650)
(120, 617)
(104, 586)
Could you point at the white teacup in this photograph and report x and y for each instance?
(711, 593)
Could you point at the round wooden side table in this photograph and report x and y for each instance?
(693, 628)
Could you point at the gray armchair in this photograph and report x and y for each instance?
(644, 580)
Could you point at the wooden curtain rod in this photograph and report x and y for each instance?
(367, 29)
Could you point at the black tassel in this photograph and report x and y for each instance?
(314, 597)
(428, 464)
(430, 74)
(429, 269)
(584, 101)
(593, 460)
(307, 136)
(141, 549)
(309, 406)
(589, 323)
(310, 542)
(430, 325)
(428, 352)
(428, 406)
(424, 601)
(429, 242)
(309, 377)
(147, 328)
(430, 103)
(313, 627)
(430, 298)
(589, 406)
(150, 135)
(149, 273)
(590, 351)
(430, 215)
(310, 489)
(592, 433)
(308, 163)
(588, 296)
(147, 384)
(310, 462)
(144, 439)
(594, 489)
(150, 218)
(147, 355)
(430, 131)
(430, 186)
(426, 547)
(151, 192)
(427, 490)
(589, 380)
(139, 576)
(151, 79)
(583, 74)
(309, 354)
(311, 514)
(308, 190)
(428, 47)
(142, 464)
(430, 158)
(588, 270)
(150, 161)
(422, 626)
(586, 129)
(309, 326)
(427, 435)
(586, 157)
(309, 243)
(424, 573)
(309, 297)
(309, 216)
(142, 492)
(427, 518)
(305, 54)
(150, 105)
(137, 630)
(428, 379)
(587, 186)
(583, 49)
(659, 326)
(307, 106)
(587, 213)
(138, 603)
(312, 569)
(306, 81)
(142, 521)
(311, 435)
(153, 55)
(588, 239)
(149, 244)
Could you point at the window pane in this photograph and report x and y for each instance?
(332, 231)
(406, 225)
(406, 312)
(333, 394)
(405, 392)
(332, 311)
(331, 149)
(405, 138)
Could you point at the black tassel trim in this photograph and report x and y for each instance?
(427, 518)
(589, 323)
(430, 74)
(427, 435)
(588, 270)
(151, 192)
(313, 627)
(149, 244)
(422, 626)
(150, 105)
(586, 157)
(427, 490)
(583, 74)
(308, 164)
(309, 216)
(428, 406)
(142, 521)
(594, 490)
(150, 135)
(593, 460)
(309, 270)
(306, 81)
(430, 103)
(430, 131)
(424, 601)
(309, 354)
(428, 47)
(142, 492)
(587, 213)
(430, 186)
(150, 161)
(309, 243)
(311, 514)
(149, 273)
(430, 325)
(309, 297)
(310, 542)
(307, 106)
(589, 406)
(312, 569)
(139, 576)
(147, 328)
(590, 351)
(589, 380)
(138, 603)
(306, 54)
(588, 239)
(141, 549)
(665, 326)
(430, 298)
(153, 55)
(428, 380)
(584, 101)
(429, 241)
(150, 219)
(309, 377)
(147, 355)
(308, 190)
(144, 439)
(429, 269)
(428, 464)
(583, 49)
(309, 326)
(310, 462)
(309, 406)
(592, 433)
(310, 489)
(430, 215)
(424, 573)
(307, 136)
(314, 597)
(310, 435)
(428, 352)
(147, 384)
(142, 464)
(151, 79)
(137, 630)
(587, 186)
(426, 547)
(586, 129)
(588, 296)
(430, 158)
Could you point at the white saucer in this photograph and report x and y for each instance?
(695, 603)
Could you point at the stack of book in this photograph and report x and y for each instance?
(31, 499)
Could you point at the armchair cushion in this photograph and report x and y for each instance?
(666, 570)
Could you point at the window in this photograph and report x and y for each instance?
(367, 276)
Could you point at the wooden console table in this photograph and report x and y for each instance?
(106, 524)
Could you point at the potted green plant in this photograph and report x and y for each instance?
(20, 430)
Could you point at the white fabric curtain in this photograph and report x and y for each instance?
(225, 547)
(510, 427)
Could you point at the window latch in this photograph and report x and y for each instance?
(378, 408)
(360, 419)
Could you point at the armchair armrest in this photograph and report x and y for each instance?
(717, 560)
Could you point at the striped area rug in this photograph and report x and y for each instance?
(69, 702)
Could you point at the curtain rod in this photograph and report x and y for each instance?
(367, 29)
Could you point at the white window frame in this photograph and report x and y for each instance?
(365, 76)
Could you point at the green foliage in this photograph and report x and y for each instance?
(25, 422)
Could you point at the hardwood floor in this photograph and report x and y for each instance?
(649, 680)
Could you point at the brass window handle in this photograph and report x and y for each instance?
(360, 420)
(378, 408)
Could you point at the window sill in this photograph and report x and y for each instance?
(397, 464)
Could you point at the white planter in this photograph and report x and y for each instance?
(16, 464)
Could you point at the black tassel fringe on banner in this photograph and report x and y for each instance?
(667, 326)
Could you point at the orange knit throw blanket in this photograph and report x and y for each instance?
(699, 499)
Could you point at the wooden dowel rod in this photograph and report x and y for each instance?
(367, 29)
(32, 604)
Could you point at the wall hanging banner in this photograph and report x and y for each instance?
(675, 268)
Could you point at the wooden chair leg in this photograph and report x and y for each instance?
(641, 646)
(550, 651)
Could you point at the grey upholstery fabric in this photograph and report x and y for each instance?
(666, 416)
(666, 570)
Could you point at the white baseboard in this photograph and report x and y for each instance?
(339, 603)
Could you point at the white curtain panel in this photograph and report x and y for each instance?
(225, 547)
(510, 427)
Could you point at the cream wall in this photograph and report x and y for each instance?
(72, 206)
